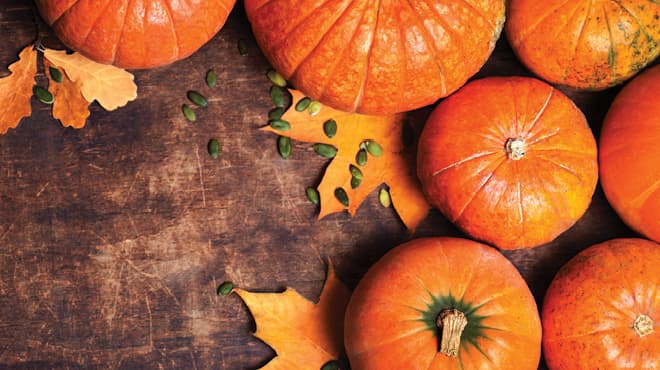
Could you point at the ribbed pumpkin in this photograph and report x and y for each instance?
(602, 310)
(135, 33)
(586, 44)
(630, 154)
(442, 304)
(376, 56)
(510, 160)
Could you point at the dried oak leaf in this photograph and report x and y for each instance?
(394, 167)
(69, 106)
(303, 334)
(16, 90)
(111, 86)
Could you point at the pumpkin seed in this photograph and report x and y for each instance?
(42, 94)
(332, 365)
(355, 172)
(330, 128)
(214, 148)
(225, 288)
(55, 74)
(341, 196)
(384, 198)
(198, 99)
(279, 124)
(355, 182)
(211, 78)
(325, 150)
(312, 195)
(284, 146)
(242, 47)
(374, 148)
(314, 107)
(276, 113)
(361, 157)
(303, 104)
(276, 78)
(189, 113)
(277, 95)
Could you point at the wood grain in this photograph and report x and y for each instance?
(114, 237)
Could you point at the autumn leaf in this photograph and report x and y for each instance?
(16, 90)
(303, 334)
(393, 167)
(111, 86)
(69, 106)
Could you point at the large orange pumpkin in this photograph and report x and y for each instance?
(442, 304)
(602, 310)
(510, 160)
(376, 56)
(135, 33)
(586, 44)
(630, 154)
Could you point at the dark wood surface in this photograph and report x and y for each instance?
(113, 238)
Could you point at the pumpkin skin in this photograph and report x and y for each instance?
(390, 319)
(472, 171)
(135, 33)
(630, 155)
(376, 57)
(595, 307)
(585, 44)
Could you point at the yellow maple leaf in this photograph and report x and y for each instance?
(303, 334)
(16, 90)
(69, 106)
(395, 167)
(111, 86)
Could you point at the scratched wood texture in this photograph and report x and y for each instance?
(114, 237)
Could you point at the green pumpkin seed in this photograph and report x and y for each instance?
(330, 128)
(341, 196)
(211, 78)
(312, 195)
(277, 95)
(384, 198)
(374, 148)
(355, 172)
(279, 124)
(361, 157)
(276, 78)
(189, 113)
(214, 148)
(303, 104)
(198, 99)
(242, 47)
(55, 74)
(355, 182)
(314, 107)
(225, 288)
(42, 94)
(284, 146)
(276, 113)
(332, 365)
(325, 150)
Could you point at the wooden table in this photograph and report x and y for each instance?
(113, 238)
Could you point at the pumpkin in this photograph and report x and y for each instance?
(584, 44)
(442, 303)
(376, 57)
(510, 160)
(630, 155)
(600, 310)
(135, 34)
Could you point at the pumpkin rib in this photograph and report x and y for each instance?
(479, 189)
(168, 10)
(360, 95)
(96, 22)
(560, 165)
(478, 13)
(462, 161)
(115, 47)
(523, 35)
(56, 20)
(539, 113)
(571, 65)
(646, 194)
(642, 28)
(611, 54)
(576, 336)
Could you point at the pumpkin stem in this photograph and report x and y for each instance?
(643, 325)
(451, 322)
(515, 148)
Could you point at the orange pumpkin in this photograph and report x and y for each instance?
(135, 34)
(630, 154)
(442, 304)
(583, 43)
(510, 160)
(600, 310)
(376, 57)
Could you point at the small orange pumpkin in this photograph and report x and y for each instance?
(583, 43)
(135, 34)
(442, 304)
(630, 154)
(602, 310)
(510, 160)
(376, 57)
